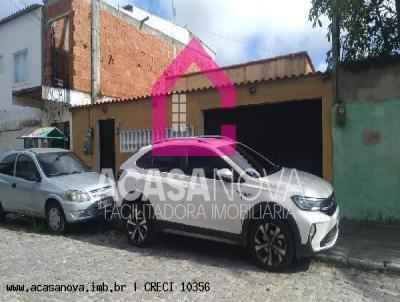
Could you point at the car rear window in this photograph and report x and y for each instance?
(161, 163)
(7, 165)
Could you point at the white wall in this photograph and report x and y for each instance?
(22, 33)
(166, 27)
(8, 140)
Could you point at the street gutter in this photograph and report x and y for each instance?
(359, 263)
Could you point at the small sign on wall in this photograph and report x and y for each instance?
(55, 94)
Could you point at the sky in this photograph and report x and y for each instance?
(237, 30)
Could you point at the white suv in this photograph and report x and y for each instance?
(218, 189)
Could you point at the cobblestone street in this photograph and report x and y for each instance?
(98, 253)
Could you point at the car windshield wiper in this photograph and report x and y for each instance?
(57, 174)
(77, 172)
(60, 155)
(68, 173)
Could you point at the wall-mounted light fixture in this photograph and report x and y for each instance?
(341, 113)
(253, 89)
(104, 109)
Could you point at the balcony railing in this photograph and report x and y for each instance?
(132, 140)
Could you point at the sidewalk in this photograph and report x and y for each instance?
(366, 245)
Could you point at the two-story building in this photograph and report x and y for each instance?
(46, 55)
(20, 72)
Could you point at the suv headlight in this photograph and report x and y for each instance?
(309, 203)
(73, 195)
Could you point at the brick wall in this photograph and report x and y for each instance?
(81, 51)
(131, 58)
(61, 29)
(131, 55)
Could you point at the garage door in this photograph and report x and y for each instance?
(289, 133)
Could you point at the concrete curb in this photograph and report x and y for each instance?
(359, 263)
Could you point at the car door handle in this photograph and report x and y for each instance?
(190, 187)
(243, 194)
(14, 185)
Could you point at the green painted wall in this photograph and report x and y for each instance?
(366, 153)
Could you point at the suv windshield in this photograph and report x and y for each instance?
(61, 163)
(251, 162)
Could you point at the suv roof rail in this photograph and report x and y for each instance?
(174, 138)
(199, 138)
(214, 136)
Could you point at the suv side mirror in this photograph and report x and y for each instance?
(225, 175)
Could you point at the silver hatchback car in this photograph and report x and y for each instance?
(53, 184)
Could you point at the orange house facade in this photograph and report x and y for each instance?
(283, 111)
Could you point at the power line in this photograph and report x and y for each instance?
(235, 40)
(25, 15)
(150, 7)
(173, 10)
(24, 3)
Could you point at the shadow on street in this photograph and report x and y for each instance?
(111, 235)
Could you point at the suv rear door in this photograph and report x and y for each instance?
(162, 184)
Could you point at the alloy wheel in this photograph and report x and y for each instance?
(137, 226)
(270, 244)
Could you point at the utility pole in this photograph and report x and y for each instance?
(95, 54)
(398, 18)
(335, 49)
(341, 109)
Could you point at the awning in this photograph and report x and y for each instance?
(44, 133)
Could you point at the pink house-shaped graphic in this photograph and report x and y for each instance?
(193, 53)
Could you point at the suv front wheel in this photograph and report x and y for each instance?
(139, 225)
(271, 244)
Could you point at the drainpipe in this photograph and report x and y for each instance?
(95, 54)
(42, 38)
(53, 57)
